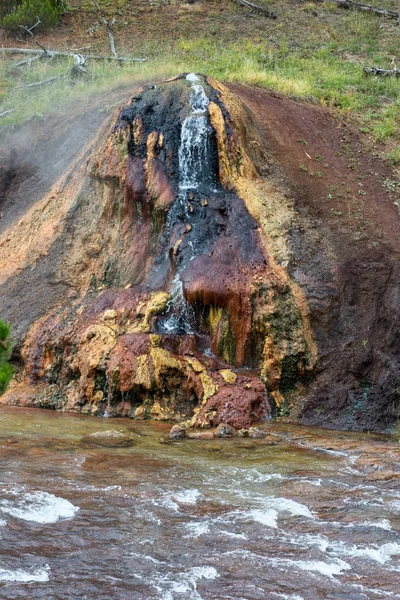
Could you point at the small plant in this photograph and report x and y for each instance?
(302, 142)
(6, 371)
(17, 13)
(303, 168)
(391, 186)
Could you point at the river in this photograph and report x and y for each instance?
(311, 515)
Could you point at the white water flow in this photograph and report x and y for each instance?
(195, 168)
(195, 171)
(181, 319)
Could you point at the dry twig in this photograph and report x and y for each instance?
(264, 11)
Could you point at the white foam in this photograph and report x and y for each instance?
(186, 583)
(394, 505)
(39, 507)
(329, 569)
(146, 557)
(286, 596)
(268, 517)
(187, 496)
(374, 590)
(239, 536)
(253, 475)
(380, 554)
(19, 575)
(307, 539)
(192, 77)
(290, 506)
(197, 529)
(206, 572)
(382, 524)
(3, 523)
(316, 482)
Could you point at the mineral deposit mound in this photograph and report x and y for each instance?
(208, 258)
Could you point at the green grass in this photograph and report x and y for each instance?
(314, 58)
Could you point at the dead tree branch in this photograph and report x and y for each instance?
(382, 72)
(109, 27)
(6, 112)
(29, 29)
(26, 61)
(79, 65)
(368, 8)
(260, 9)
(38, 83)
(54, 54)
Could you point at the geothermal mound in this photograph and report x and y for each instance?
(189, 288)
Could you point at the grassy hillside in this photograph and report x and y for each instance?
(313, 51)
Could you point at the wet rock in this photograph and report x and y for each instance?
(211, 448)
(165, 441)
(257, 433)
(111, 438)
(225, 430)
(177, 432)
(200, 435)
(243, 433)
(247, 445)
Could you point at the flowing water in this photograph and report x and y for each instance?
(233, 519)
(195, 173)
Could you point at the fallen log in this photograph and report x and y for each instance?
(385, 12)
(264, 11)
(38, 83)
(55, 53)
(382, 72)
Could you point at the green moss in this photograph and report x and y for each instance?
(289, 374)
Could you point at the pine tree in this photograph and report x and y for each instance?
(14, 13)
(6, 371)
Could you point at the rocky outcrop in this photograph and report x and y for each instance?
(173, 238)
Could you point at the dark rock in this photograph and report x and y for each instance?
(112, 438)
(177, 432)
(257, 433)
(225, 430)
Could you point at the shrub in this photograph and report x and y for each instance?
(14, 13)
(6, 371)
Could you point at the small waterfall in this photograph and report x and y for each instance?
(195, 173)
(195, 164)
(180, 317)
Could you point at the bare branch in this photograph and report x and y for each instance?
(55, 53)
(38, 83)
(382, 72)
(27, 61)
(79, 65)
(264, 11)
(368, 8)
(109, 27)
(29, 29)
(6, 112)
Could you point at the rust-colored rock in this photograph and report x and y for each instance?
(210, 300)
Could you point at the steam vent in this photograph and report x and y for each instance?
(172, 273)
